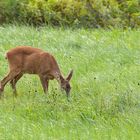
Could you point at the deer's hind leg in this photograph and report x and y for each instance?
(14, 81)
(8, 78)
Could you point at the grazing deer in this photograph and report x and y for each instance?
(24, 59)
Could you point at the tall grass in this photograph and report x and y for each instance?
(105, 97)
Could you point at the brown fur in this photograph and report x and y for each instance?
(25, 59)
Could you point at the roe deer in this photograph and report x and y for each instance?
(25, 59)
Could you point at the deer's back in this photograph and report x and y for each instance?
(31, 60)
(24, 50)
(22, 56)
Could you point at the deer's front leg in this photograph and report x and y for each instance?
(45, 83)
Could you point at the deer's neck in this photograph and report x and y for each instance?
(58, 76)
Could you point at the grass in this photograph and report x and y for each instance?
(105, 96)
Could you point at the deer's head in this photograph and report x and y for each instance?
(65, 83)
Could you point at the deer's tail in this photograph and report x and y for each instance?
(6, 55)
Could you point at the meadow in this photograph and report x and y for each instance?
(105, 95)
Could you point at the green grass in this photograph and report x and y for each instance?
(105, 96)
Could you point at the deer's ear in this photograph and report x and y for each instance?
(70, 75)
(61, 78)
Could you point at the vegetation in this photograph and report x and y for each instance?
(105, 97)
(75, 13)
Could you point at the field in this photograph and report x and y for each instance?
(105, 95)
